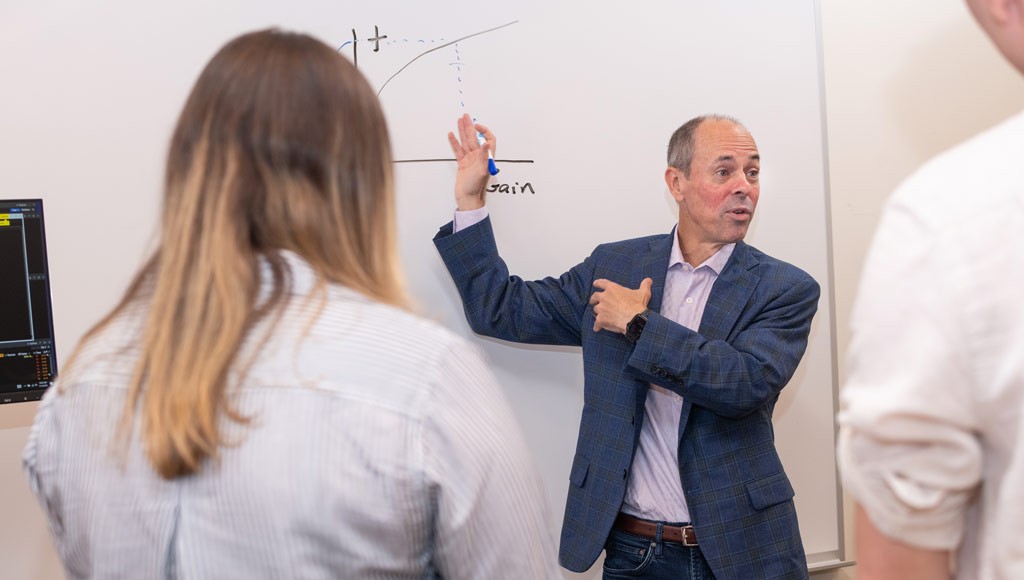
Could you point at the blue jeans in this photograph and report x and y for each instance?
(629, 556)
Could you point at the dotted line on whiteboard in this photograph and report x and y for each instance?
(458, 72)
(458, 57)
(458, 61)
(389, 42)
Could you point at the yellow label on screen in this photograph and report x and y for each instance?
(4, 222)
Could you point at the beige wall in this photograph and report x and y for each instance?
(25, 549)
(904, 80)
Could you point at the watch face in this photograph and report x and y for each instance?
(636, 326)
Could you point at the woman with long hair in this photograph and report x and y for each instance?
(261, 403)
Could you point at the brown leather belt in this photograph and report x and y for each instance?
(647, 529)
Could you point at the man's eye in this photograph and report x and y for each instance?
(722, 172)
(754, 173)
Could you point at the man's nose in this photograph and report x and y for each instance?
(743, 186)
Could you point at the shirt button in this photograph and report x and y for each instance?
(686, 267)
(689, 300)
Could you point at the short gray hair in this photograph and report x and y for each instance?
(680, 146)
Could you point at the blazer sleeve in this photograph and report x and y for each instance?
(733, 377)
(499, 305)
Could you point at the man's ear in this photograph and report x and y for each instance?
(676, 182)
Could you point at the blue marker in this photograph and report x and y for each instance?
(491, 167)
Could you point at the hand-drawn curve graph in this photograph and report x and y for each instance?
(381, 40)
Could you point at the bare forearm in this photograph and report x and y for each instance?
(882, 558)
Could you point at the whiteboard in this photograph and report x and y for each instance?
(583, 97)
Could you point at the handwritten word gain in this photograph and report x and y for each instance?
(513, 189)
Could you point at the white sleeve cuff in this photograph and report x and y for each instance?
(902, 504)
(464, 219)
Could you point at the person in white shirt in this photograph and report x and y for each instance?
(931, 434)
(262, 403)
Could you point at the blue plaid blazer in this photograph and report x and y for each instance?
(752, 336)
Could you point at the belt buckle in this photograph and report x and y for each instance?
(686, 540)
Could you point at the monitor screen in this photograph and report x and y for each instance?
(28, 363)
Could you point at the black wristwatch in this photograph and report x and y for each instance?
(636, 326)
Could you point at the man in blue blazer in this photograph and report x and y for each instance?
(687, 340)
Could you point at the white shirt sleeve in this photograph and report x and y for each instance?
(492, 519)
(908, 447)
(39, 460)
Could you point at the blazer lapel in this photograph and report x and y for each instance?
(655, 267)
(730, 294)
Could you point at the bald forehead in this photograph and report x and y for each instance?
(718, 130)
(716, 138)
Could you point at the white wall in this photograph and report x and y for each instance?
(904, 80)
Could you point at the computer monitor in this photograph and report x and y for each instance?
(28, 362)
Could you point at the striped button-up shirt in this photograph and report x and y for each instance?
(379, 446)
(655, 490)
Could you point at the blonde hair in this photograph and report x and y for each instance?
(281, 145)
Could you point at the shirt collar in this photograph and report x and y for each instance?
(716, 262)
